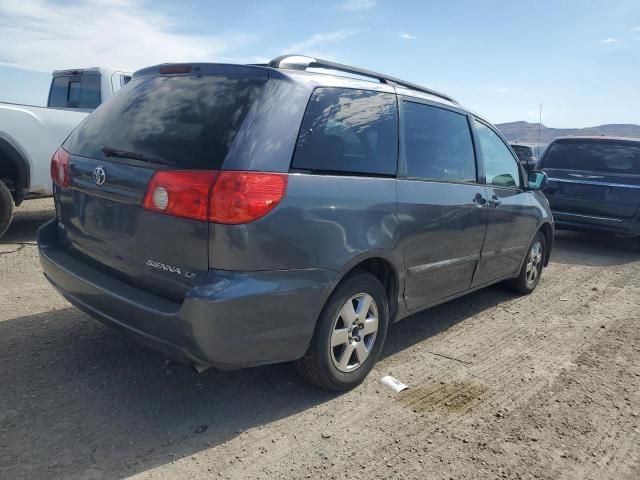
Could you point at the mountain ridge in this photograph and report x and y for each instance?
(526, 132)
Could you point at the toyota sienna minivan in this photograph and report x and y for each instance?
(240, 215)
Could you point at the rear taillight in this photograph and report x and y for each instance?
(220, 197)
(60, 168)
(181, 193)
(242, 197)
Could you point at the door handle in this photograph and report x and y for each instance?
(495, 201)
(479, 199)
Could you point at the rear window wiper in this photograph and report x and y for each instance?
(115, 152)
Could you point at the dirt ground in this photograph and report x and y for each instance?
(501, 386)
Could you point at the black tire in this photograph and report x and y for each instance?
(319, 365)
(6, 208)
(523, 282)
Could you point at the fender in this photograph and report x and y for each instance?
(394, 258)
(12, 154)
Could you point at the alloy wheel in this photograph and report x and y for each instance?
(534, 263)
(354, 332)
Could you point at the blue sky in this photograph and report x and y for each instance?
(581, 59)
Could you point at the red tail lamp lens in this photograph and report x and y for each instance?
(181, 193)
(242, 197)
(60, 168)
(220, 197)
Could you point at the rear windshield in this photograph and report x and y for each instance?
(524, 153)
(75, 91)
(595, 156)
(187, 122)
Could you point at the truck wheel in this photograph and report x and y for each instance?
(6, 208)
(349, 335)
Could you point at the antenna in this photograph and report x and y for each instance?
(539, 128)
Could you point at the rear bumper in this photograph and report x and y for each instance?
(574, 221)
(235, 320)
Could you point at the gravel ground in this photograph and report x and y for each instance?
(501, 386)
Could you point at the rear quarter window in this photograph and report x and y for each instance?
(348, 131)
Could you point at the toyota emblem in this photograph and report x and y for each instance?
(99, 176)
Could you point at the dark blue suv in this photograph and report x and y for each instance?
(238, 215)
(594, 183)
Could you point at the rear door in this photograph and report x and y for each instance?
(593, 177)
(160, 122)
(509, 208)
(442, 220)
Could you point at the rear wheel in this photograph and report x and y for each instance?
(529, 276)
(349, 335)
(6, 208)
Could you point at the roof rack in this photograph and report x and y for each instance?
(301, 62)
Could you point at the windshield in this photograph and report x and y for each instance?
(597, 156)
(185, 121)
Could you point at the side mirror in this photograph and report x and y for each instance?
(537, 180)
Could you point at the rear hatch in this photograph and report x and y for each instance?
(182, 120)
(525, 155)
(596, 177)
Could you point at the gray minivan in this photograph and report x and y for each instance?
(239, 215)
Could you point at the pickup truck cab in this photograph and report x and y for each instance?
(30, 135)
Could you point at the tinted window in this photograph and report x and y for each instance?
(596, 156)
(438, 144)
(79, 91)
(500, 168)
(58, 95)
(348, 131)
(524, 153)
(185, 121)
(90, 92)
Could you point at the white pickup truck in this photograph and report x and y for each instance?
(29, 135)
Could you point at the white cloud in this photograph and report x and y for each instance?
(609, 40)
(637, 29)
(359, 4)
(407, 36)
(127, 34)
(319, 40)
(503, 90)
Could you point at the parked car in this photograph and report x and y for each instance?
(594, 183)
(528, 154)
(239, 215)
(30, 135)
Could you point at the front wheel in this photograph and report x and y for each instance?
(6, 208)
(529, 276)
(349, 335)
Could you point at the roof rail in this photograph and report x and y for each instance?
(301, 62)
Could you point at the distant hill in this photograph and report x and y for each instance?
(528, 132)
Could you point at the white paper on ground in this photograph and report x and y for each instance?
(392, 383)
